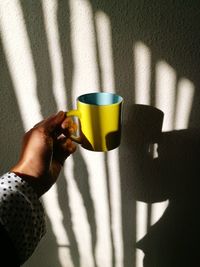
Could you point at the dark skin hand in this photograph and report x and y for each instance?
(45, 148)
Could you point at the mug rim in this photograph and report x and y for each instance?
(100, 93)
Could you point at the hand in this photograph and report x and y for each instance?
(45, 148)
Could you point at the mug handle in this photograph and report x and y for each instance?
(75, 113)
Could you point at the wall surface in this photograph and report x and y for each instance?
(146, 51)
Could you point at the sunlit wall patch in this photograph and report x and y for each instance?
(85, 75)
(19, 58)
(142, 72)
(166, 93)
(50, 9)
(185, 97)
(103, 31)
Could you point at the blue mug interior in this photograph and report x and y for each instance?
(100, 99)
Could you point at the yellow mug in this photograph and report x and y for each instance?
(100, 117)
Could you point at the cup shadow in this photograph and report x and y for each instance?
(173, 176)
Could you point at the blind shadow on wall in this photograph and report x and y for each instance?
(171, 32)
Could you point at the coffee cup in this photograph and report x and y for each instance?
(100, 121)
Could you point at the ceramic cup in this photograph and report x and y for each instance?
(100, 121)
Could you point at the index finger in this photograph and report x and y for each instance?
(53, 123)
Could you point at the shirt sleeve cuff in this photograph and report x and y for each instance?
(21, 214)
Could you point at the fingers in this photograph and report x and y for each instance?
(47, 122)
(68, 126)
(56, 125)
(63, 148)
(54, 122)
(69, 146)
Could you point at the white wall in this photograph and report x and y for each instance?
(53, 51)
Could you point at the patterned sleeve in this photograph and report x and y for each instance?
(21, 214)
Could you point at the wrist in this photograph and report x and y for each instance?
(35, 184)
(25, 168)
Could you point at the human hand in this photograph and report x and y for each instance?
(45, 147)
